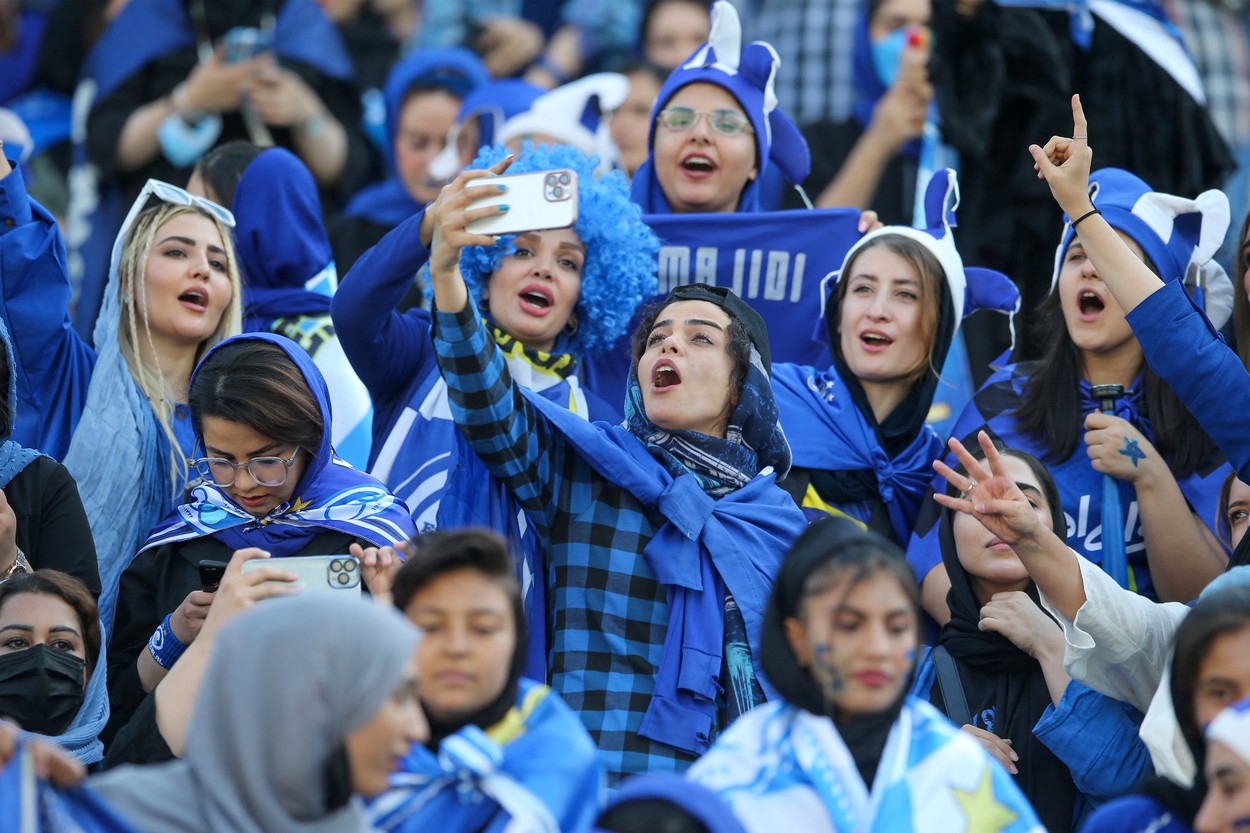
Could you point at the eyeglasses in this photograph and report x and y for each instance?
(266, 471)
(724, 122)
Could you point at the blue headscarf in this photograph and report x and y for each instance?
(331, 495)
(868, 86)
(456, 70)
(280, 271)
(747, 74)
(13, 457)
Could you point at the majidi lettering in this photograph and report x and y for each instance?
(758, 274)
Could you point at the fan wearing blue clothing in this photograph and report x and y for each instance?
(504, 752)
(550, 297)
(857, 427)
(1169, 471)
(660, 535)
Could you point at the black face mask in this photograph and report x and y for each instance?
(41, 688)
(1241, 555)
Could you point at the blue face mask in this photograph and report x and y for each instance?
(182, 143)
(887, 54)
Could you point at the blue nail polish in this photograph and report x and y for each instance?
(502, 187)
(504, 207)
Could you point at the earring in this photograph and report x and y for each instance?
(571, 327)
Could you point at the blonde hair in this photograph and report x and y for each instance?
(133, 331)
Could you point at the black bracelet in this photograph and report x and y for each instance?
(1083, 216)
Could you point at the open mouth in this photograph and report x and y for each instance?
(875, 339)
(536, 299)
(698, 164)
(1089, 303)
(195, 297)
(665, 376)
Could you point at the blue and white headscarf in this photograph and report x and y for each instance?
(331, 495)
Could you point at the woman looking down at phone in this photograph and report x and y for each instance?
(549, 296)
(460, 588)
(270, 480)
(673, 515)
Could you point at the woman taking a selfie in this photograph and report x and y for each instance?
(504, 752)
(660, 535)
(845, 748)
(270, 480)
(550, 297)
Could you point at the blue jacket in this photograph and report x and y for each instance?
(1182, 347)
(52, 363)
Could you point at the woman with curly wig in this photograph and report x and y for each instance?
(549, 297)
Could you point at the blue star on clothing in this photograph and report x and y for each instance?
(1132, 450)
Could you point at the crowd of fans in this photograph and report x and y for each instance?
(863, 452)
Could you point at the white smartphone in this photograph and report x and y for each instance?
(536, 201)
(317, 573)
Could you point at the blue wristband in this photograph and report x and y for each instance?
(164, 647)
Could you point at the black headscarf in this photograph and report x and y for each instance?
(903, 424)
(1004, 686)
(819, 545)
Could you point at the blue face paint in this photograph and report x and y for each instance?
(887, 54)
(826, 672)
(1132, 450)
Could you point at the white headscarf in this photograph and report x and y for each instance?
(285, 685)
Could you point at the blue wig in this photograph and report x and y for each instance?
(620, 267)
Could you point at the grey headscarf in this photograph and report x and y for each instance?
(286, 684)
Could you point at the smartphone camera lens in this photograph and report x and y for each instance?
(551, 179)
(557, 192)
(564, 179)
(343, 578)
(349, 565)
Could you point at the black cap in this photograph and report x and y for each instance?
(734, 306)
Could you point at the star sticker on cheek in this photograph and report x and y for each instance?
(1132, 450)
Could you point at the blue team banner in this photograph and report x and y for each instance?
(29, 805)
(775, 260)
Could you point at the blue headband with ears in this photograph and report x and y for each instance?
(747, 73)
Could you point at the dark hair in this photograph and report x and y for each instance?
(857, 563)
(1050, 489)
(439, 553)
(629, 64)
(222, 168)
(1241, 304)
(257, 384)
(1213, 616)
(1050, 406)
(737, 345)
(68, 589)
(1224, 529)
(649, 815)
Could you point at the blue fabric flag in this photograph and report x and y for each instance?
(29, 805)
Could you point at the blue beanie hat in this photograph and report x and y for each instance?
(493, 103)
(747, 74)
(1178, 235)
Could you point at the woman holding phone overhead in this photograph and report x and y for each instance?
(660, 535)
(270, 480)
(550, 297)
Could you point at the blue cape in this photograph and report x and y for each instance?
(537, 761)
(705, 548)
(277, 191)
(330, 495)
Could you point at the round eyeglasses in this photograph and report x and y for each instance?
(724, 122)
(266, 471)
